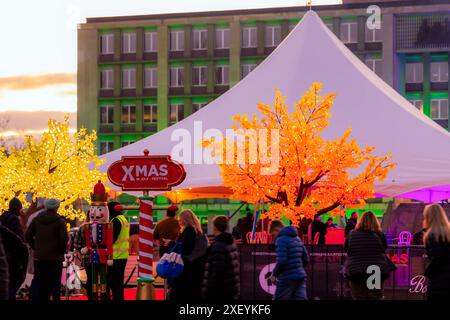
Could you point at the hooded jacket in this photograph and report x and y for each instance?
(292, 255)
(47, 236)
(221, 278)
(10, 219)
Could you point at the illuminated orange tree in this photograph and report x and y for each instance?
(314, 176)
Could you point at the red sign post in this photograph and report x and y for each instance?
(146, 173)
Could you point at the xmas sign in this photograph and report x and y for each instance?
(147, 172)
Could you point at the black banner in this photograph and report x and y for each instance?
(326, 279)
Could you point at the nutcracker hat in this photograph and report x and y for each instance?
(99, 197)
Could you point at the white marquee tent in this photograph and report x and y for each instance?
(376, 113)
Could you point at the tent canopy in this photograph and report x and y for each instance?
(376, 113)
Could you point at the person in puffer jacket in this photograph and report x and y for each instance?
(221, 277)
(289, 273)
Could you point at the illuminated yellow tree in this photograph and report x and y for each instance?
(57, 165)
(314, 176)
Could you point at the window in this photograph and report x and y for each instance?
(199, 39)
(150, 41)
(349, 32)
(439, 109)
(439, 71)
(249, 37)
(418, 103)
(197, 106)
(222, 75)
(107, 114)
(246, 69)
(107, 43)
(272, 36)
(150, 78)
(129, 78)
(177, 40)
(126, 143)
(150, 113)
(375, 65)
(414, 72)
(373, 35)
(176, 76)
(129, 42)
(176, 112)
(106, 146)
(107, 79)
(222, 38)
(129, 114)
(199, 75)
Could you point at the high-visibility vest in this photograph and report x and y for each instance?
(121, 246)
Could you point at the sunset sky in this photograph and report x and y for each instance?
(38, 56)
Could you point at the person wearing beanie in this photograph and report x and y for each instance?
(121, 236)
(47, 236)
(167, 230)
(10, 219)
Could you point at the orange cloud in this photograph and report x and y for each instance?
(28, 82)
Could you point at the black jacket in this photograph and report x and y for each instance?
(47, 236)
(351, 224)
(10, 220)
(187, 287)
(16, 255)
(438, 271)
(221, 279)
(364, 249)
(4, 275)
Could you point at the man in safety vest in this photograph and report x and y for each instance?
(121, 235)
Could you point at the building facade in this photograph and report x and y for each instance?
(140, 74)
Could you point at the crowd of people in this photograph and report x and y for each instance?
(39, 242)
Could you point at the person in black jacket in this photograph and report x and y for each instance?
(351, 223)
(221, 279)
(10, 219)
(4, 273)
(17, 258)
(437, 245)
(48, 237)
(187, 287)
(321, 228)
(366, 246)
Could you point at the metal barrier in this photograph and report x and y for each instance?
(326, 280)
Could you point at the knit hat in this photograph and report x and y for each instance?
(52, 204)
(172, 210)
(114, 208)
(15, 204)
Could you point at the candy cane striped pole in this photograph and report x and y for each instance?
(145, 266)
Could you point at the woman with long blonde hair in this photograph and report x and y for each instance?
(437, 245)
(188, 218)
(188, 285)
(366, 246)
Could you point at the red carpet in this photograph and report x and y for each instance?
(130, 294)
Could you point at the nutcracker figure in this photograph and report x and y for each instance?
(99, 241)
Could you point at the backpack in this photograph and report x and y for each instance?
(200, 247)
(171, 264)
